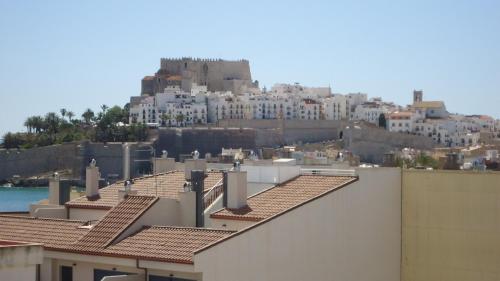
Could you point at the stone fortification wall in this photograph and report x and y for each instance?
(371, 143)
(74, 157)
(205, 140)
(216, 74)
(28, 162)
(278, 132)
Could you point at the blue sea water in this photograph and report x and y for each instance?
(13, 199)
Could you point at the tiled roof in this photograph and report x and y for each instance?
(284, 196)
(114, 223)
(165, 243)
(52, 233)
(157, 243)
(428, 104)
(169, 184)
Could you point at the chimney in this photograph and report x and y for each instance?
(126, 161)
(92, 180)
(54, 189)
(194, 164)
(163, 164)
(198, 185)
(235, 189)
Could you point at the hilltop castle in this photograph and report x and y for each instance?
(216, 74)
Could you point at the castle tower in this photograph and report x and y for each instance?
(418, 96)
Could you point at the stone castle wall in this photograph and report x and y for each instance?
(216, 74)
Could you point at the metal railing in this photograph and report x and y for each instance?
(328, 172)
(212, 194)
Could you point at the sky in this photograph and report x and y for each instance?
(82, 54)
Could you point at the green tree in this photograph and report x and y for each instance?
(70, 115)
(382, 122)
(179, 118)
(165, 118)
(29, 124)
(88, 115)
(63, 112)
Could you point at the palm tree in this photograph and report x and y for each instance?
(179, 118)
(29, 123)
(70, 115)
(104, 108)
(37, 123)
(165, 118)
(88, 115)
(63, 112)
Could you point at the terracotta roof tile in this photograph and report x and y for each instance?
(428, 104)
(169, 184)
(114, 223)
(165, 243)
(283, 197)
(52, 233)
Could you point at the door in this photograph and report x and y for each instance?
(66, 273)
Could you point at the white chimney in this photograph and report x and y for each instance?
(163, 164)
(194, 164)
(54, 189)
(236, 189)
(92, 180)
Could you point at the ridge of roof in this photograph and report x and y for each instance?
(114, 223)
(45, 219)
(202, 229)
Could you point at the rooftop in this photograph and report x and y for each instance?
(157, 243)
(168, 186)
(114, 223)
(167, 243)
(284, 196)
(428, 104)
(52, 233)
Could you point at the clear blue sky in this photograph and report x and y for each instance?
(79, 54)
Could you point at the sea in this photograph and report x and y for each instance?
(18, 199)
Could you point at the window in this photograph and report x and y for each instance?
(66, 273)
(101, 273)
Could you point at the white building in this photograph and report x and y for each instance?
(173, 107)
(353, 100)
(274, 221)
(335, 107)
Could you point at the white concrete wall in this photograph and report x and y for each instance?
(18, 273)
(270, 173)
(83, 267)
(164, 212)
(353, 233)
(86, 214)
(18, 262)
(55, 211)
